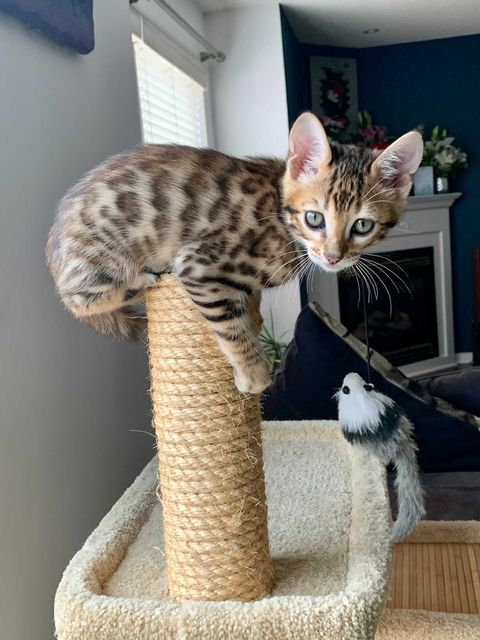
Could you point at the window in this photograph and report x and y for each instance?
(172, 106)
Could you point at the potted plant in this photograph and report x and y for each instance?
(373, 136)
(272, 347)
(441, 154)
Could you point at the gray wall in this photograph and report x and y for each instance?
(68, 397)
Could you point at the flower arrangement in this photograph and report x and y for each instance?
(440, 153)
(373, 136)
(335, 129)
(367, 134)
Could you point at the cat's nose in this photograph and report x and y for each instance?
(332, 258)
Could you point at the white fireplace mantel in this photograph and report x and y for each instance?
(425, 223)
(439, 200)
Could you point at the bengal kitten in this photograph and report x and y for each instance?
(225, 227)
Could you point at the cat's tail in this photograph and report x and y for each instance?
(126, 323)
(114, 311)
(106, 294)
(410, 494)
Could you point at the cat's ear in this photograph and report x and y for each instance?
(397, 164)
(308, 148)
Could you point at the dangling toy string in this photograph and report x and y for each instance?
(365, 322)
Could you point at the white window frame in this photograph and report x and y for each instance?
(174, 53)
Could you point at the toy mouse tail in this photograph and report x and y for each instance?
(410, 494)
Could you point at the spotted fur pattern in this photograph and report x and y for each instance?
(226, 227)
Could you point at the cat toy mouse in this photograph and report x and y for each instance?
(374, 421)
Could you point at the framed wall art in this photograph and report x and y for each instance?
(334, 92)
(67, 22)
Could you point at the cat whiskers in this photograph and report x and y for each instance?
(374, 264)
(373, 187)
(301, 275)
(377, 194)
(384, 257)
(310, 276)
(387, 269)
(288, 277)
(300, 270)
(384, 270)
(374, 275)
(363, 284)
(369, 281)
(271, 215)
(377, 201)
(298, 256)
(371, 272)
(297, 271)
(282, 255)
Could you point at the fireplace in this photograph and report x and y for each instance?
(413, 332)
(402, 323)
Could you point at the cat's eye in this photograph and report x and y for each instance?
(368, 387)
(315, 219)
(362, 226)
(346, 390)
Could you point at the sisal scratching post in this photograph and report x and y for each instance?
(210, 458)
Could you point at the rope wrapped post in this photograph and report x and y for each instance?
(210, 458)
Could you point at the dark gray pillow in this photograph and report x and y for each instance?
(323, 351)
(460, 388)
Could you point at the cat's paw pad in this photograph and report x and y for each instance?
(255, 380)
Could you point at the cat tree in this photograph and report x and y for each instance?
(195, 564)
(210, 458)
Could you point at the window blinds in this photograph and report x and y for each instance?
(171, 103)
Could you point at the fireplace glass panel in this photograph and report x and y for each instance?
(407, 332)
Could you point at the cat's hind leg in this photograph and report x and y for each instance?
(110, 306)
(102, 294)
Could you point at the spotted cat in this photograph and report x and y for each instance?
(227, 227)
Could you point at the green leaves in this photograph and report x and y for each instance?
(272, 347)
(440, 152)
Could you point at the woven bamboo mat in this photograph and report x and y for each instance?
(436, 577)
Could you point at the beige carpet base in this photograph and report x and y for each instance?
(329, 526)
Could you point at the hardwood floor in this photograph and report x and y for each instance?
(436, 577)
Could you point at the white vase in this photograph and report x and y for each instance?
(423, 181)
(441, 184)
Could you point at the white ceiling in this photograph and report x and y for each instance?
(342, 22)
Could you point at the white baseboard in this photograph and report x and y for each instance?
(464, 357)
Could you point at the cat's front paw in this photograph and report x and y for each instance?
(253, 380)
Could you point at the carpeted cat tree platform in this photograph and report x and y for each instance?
(200, 564)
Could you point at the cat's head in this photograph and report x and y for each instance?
(340, 199)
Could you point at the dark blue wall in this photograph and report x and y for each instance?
(296, 71)
(435, 82)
